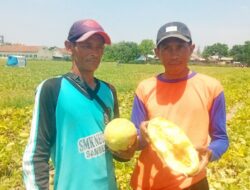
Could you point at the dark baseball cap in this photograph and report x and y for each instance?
(174, 30)
(83, 29)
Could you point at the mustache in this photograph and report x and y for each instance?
(93, 58)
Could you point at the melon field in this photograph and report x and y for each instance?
(17, 89)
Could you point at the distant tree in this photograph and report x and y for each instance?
(247, 52)
(237, 52)
(122, 52)
(109, 54)
(146, 47)
(241, 53)
(215, 49)
(127, 51)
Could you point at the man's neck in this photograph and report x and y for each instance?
(87, 77)
(176, 75)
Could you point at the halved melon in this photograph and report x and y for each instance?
(119, 134)
(173, 146)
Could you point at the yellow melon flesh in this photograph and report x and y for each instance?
(120, 134)
(173, 146)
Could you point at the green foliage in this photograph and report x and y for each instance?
(215, 49)
(122, 52)
(17, 87)
(146, 47)
(247, 52)
(124, 171)
(232, 171)
(241, 53)
(237, 52)
(14, 131)
(109, 54)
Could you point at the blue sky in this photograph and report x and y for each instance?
(47, 22)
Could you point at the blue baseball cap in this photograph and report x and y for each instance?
(83, 29)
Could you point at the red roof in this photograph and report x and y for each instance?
(19, 48)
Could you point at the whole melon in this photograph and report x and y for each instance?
(173, 146)
(119, 134)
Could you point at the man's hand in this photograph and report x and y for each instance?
(126, 155)
(204, 156)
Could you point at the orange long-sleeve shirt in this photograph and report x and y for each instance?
(196, 104)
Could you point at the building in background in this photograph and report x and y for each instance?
(33, 52)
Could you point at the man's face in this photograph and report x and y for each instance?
(87, 54)
(174, 54)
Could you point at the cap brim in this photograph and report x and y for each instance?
(91, 33)
(174, 36)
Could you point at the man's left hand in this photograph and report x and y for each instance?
(126, 155)
(204, 156)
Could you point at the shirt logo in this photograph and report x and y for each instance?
(92, 146)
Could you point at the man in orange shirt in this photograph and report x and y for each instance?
(193, 101)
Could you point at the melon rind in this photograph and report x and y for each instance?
(120, 134)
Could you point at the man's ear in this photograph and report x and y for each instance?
(68, 45)
(156, 50)
(192, 48)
